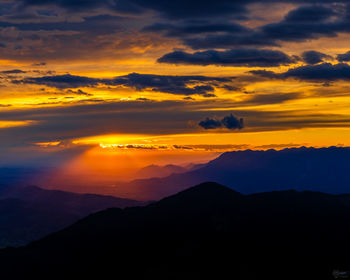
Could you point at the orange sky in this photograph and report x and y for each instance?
(98, 106)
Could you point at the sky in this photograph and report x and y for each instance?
(126, 83)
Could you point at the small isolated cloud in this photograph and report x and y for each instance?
(210, 123)
(78, 92)
(234, 57)
(39, 64)
(345, 57)
(229, 122)
(180, 147)
(314, 57)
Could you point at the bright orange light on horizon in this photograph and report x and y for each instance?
(324, 137)
(7, 124)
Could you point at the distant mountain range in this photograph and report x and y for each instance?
(11, 176)
(29, 213)
(156, 171)
(205, 232)
(326, 170)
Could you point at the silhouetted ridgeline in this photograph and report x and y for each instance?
(205, 232)
(326, 170)
(29, 213)
(151, 171)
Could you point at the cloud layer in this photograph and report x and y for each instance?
(72, 69)
(324, 72)
(235, 57)
(180, 85)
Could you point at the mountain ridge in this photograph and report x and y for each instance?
(315, 169)
(29, 213)
(248, 237)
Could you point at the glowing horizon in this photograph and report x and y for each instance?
(162, 85)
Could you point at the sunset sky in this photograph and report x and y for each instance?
(137, 82)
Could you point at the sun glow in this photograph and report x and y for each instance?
(112, 139)
(48, 144)
(7, 124)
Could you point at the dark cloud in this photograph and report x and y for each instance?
(324, 72)
(210, 123)
(235, 57)
(345, 57)
(315, 13)
(306, 22)
(180, 147)
(61, 81)
(39, 64)
(181, 85)
(48, 32)
(169, 84)
(170, 9)
(229, 122)
(320, 72)
(14, 71)
(180, 9)
(78, 92)
(314, 57)
(303, 23)
(194, 8)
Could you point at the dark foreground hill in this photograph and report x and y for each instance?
(326, 170)
(205, 232)
(29, 213)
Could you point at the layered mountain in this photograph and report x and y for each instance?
(205, 232)
(29, 213)
(326, 170)
(156, 171)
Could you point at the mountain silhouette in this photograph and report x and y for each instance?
(205, 232)
(29, 213)
(325, 169)
(152, 171)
